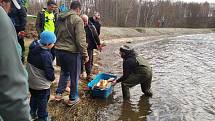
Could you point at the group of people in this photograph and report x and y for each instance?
(69, 36)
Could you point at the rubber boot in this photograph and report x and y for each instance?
(125, 92)
(145, 89)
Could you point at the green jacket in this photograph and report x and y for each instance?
(13, 77)
(76, 43)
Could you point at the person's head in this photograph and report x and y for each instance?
(126, 51)
(6, 5)
(76, 6)
(47, 39)
(85, 19)
(96, 16)
(51, 6)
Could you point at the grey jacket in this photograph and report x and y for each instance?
(36, 78)
(13, 77)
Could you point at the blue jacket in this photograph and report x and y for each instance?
(42, 59)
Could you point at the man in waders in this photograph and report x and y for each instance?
(136, 70)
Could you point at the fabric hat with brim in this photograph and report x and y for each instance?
(126, 49)
(16, 4)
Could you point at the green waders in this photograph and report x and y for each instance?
(144, 78)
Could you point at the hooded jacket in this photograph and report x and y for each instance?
(70, 23)
(39, 67)
(134, 64)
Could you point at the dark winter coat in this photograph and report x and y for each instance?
(96, 24)
(92, 36)
(133, 64)
(42, 59)
(19, 18)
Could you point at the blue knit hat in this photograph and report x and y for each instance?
(47, 37)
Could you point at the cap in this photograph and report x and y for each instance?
(47, 37)
(125, 49)
(16, 4)
(51, 3)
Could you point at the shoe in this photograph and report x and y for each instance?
(72, 102)
(58, 97)
(44, 119)
(33, 116)
(148, 94)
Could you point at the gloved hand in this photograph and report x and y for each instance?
(114, 83)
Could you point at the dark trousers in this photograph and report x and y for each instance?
(89, 64)
(38, 103)
(134, 79)
(70, 64)
(22, 44)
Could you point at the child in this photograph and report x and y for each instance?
(41, 74)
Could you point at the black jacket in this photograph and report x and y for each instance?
(96, 24)
(133, 64)
(92, 36)
(19, 18)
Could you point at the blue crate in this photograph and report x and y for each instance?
(98, 92)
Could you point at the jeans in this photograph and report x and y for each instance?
(70, 69)
(89, 64)
(38, 103)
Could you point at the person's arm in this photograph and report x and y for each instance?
(23, 18)
(81, 37)
(99, 28)
(95, 35)
(38, 23)
(48, 67)
(128, 66)
(14, 80)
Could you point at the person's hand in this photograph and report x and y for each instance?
(86, 59)
(22, 34)
(114, 83)
(99, 47)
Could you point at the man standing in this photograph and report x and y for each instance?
(95, 20)
(70, 47)
(13, 85)
(46, 18)
(93, 42)
(19, 19)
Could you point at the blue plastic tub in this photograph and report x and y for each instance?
(98, 92)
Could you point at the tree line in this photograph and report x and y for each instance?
(143, 13)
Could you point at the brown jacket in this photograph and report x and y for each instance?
(76, 43)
